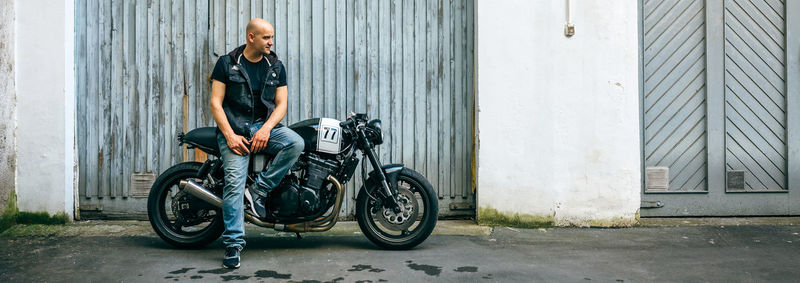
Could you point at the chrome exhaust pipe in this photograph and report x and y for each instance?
(202, 193)
(258, 222)
(318, 225)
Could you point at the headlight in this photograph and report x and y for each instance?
(377, 133)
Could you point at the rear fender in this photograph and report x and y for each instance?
(211, 166)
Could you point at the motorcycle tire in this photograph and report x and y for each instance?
(388, 230)
(157, 211)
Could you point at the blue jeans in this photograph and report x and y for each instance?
(285, 145)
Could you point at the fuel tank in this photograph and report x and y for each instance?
(309, 131)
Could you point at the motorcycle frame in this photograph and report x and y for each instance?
(388, 196)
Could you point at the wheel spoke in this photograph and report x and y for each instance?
(178, 224)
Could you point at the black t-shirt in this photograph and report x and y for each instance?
(256, 72)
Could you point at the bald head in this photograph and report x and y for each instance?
(259, 36)
(258, 25)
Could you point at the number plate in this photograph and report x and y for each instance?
(329, 136)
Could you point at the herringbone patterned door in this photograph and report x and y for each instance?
(720, 87)
(755, 93)
(674, 92)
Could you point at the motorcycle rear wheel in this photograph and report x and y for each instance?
(395, 232)
(173, 228)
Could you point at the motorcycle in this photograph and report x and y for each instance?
(396, 207)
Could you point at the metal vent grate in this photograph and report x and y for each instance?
(657, 179)
(736, 181)
(141, 184)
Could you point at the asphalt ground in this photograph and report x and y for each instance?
(682, 250)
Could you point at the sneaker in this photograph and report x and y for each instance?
(231, 259)
(249, 203)
(257, 202)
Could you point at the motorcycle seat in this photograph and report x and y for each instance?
(203, 138)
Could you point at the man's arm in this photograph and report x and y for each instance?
(238, 144)
(261, 137)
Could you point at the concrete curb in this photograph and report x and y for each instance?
(127, 228)
(718, 221)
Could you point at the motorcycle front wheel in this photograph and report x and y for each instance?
(178, 218)
(404, 230)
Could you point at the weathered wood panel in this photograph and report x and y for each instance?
(81, 42)
(92, 83)
(147, 63)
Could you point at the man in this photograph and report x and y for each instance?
(248, 100)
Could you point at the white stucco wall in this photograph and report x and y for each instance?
(45, 105)
(558, 117)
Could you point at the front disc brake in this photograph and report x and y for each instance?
(404, 219)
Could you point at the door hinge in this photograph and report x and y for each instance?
(462, 206)
(90, 207)
(652, 204)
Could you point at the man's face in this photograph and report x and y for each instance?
(262, 39)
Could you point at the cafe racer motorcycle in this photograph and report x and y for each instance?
(396, 207)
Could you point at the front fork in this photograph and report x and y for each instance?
(390, 199)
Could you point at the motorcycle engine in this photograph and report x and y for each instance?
(293, 198)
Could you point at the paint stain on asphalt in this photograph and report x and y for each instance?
(488, 276)
(272, 274)
(216, 271)
(467, 269)
(182, 270)
(234, 277)
(362, 267)
(196, 277)
(428, 269)
(340, 279)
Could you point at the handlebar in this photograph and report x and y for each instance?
(347, 122)
(361, 117)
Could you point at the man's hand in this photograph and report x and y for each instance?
(238, 144)
(260, 139)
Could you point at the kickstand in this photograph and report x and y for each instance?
(298, 236)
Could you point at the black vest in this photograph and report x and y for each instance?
(239, 103)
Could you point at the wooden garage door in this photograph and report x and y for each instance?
(142, 69)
